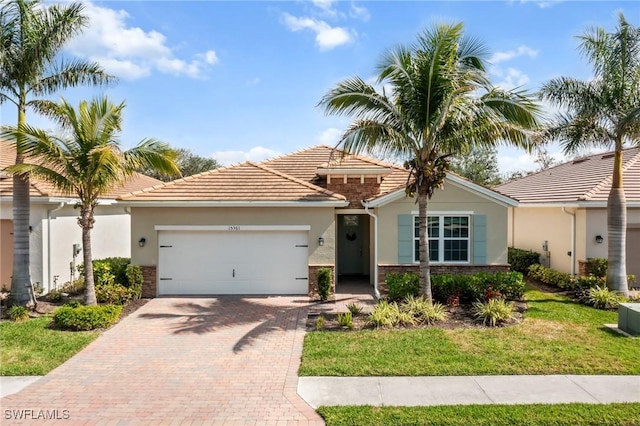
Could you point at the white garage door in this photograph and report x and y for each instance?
(203, 262)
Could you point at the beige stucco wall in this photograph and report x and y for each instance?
(320, 219)
(452, 198)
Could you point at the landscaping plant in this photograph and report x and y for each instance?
(493, 312)
(18, 313)
(324, 283)
(83, 318)
(603, 298)
(345, 319)
(520, 260)
(354, 309)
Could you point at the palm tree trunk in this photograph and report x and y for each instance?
(617, 228)
(86, 222)
(21, 279)
(423, 250)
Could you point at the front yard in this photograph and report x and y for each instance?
(557, 336)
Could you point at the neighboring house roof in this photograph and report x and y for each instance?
(246, 182)
(40, 188)
(583, 180)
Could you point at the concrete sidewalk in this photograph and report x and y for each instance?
(464, 390)
(14, 384)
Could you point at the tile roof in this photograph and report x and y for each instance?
(242, 182)
(40, 188)
(304, 165)
(584, 179)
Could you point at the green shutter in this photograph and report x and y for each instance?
(405, 238)
(480, 239)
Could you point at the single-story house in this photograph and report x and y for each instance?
(55, 238)
(562, 211)
(266, 228)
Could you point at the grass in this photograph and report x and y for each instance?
(31, 348)
(489, 415)
(557, 336)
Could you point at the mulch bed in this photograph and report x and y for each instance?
(459, 317)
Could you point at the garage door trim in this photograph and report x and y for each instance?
(232, 227)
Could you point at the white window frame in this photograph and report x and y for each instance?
(441, 239)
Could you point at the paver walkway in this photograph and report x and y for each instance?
(224, 360)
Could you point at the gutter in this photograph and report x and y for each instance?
(49, 273)
(375, 248)
(573, 239)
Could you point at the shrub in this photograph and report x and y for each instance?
(520, 260)
(345, 319)
(54, 296)
(109, 270)
(116, 294)
(354, 309)
(602, 298)
(422, 311)
(324, 283)
(454, 289)
(18, 313)
(551, 277)
(135, 280)
(597, 266)
(83, 318)
(494, 312)
(384, 314)
(74, 287)
(320, 323)
(509, 285)
(403, 285)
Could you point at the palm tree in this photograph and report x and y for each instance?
(604, 111)
(87, 161)
(436, 101)
(31, 37)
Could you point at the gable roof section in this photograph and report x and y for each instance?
(40, 188)
(241, 183)
(583, 180)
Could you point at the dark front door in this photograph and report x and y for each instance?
(351, 237)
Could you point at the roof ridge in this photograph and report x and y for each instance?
(298, 181)
(609, 179)
(278, 157)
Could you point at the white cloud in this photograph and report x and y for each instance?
(327, 37)
(507, 163)
(514, 53)
(257, 153)
(512, 79)
(131, 52)
(329, 136)
(359, 12)
(326, 6)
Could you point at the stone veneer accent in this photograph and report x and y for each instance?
(313, 281)
(353, 189)
(383, 270)
(150, 283)
(583, 267)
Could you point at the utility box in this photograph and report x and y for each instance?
(629, 318)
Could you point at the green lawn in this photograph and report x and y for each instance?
(486, 415)
(557, 336)
(31, 348)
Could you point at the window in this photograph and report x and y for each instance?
(448, 238)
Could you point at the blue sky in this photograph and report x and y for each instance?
(240, 80)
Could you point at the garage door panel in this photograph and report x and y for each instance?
(257, 262)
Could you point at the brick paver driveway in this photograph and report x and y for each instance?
(225, 360)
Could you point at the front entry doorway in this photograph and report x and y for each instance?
(353, 250)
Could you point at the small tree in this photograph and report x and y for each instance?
(87, 161)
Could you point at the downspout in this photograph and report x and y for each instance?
(49, 272)
(375, 249)
(573, 239)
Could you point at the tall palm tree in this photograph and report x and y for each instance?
(436, 101)
(86, 162)
(31, 38)
(604, 111)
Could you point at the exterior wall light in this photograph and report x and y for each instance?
(321, 241)
(599, 239)
(142, 241)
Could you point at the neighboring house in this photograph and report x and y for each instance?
(54, 230)
(266, 228)
(562, 211)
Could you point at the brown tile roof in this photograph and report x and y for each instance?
(40, 188)
(304, 165)
(242, 182)
(584, 179)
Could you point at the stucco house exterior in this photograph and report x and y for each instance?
(562, 211)
(54, 229)
(266, 228)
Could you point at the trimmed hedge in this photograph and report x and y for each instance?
(116, 294)
(520, 260)
(454, 289)
(324, 283)
(551, 277)
(82, 318)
